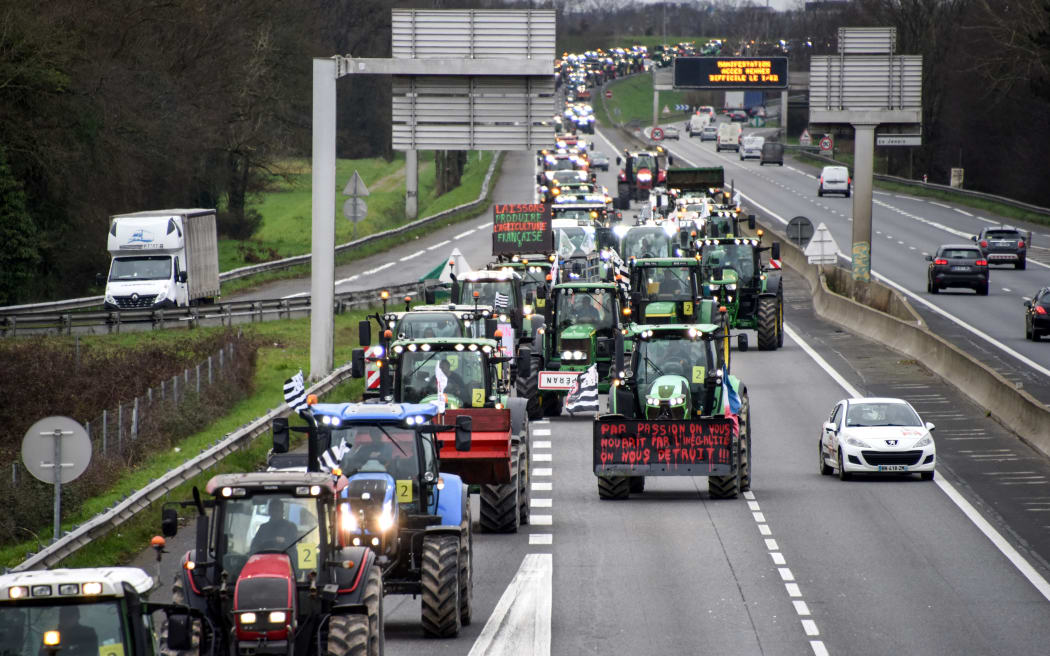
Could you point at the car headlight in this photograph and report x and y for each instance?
(926, 441)
(852, 441)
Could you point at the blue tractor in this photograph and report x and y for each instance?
(397, 502)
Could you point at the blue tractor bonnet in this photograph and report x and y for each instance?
(373, 412)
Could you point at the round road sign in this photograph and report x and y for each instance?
(800, 231)
(38, 449)
(825, 142)
(608, 93)
(658, 134)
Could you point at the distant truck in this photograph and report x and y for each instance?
(162, 259)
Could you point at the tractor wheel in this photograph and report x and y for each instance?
(767, 323)
(524, 487)
(374, 603)
(348, 635)
(500, 503)
(440, 578)
(780, 321)
(637, 484)
(745, 442)
(529, 389)
(466, 568)
(614, 487)
(726, 487)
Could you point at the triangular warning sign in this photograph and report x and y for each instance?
(822, 248)
(805, 139)
(667, 110)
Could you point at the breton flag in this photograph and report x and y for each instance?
(333, 457)
(554, 272)
(583, 395)
(442, 381)
(502, 301)
(736, 198)
(620, 268)
(295, 392)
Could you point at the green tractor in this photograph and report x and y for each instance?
(667, 290)
(674, 411)
(734, 276)
(586, 318)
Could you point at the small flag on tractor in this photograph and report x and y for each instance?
(583, 395)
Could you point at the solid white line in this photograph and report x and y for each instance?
(541, 520)
(464, 233)
(541, 431)
(541, 457)
(1004, 547)
(539, 486)
(541, 444)
(542, 471)
(613, 154)
(413, 255)
(296, 295)
(541, 538)
(521, 621)
(439, 244)
(541, 503)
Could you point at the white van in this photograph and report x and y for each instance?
(834, 180)
(697, 123)
(751, 146)
(729, 137)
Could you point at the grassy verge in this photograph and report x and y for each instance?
(633, 101)
(286, 350)
(987, 206)
(465, 193)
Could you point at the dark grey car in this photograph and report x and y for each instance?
(957, 265)
(772, 153)
(1003, 246)
(600, 161)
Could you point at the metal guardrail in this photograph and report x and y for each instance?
(106, 521)
(219, 314)
(275, 265)
(814, 152)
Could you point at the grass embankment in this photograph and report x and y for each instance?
(291, 215)
(633, 101)
(285, 349)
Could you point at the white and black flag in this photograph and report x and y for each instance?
(295, 392)
(502, 301)
(583, 395)
(333, 457)
(620, 268)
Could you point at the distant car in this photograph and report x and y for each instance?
(670, 132)
(957, 265)
(1003, 246)
(876, 435)
(1037, 315)
(707, 110)
(772, 153)
(751, 147)
(834, 180)
(600, 161)
(709, 133)
(738, 116)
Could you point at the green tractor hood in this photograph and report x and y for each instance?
(578, 331)
(668, 398)
(451, 402)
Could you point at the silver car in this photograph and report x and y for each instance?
(709, 133)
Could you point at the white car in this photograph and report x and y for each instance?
(873, 435)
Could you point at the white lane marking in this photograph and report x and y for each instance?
(793, 590)
(539, 486)
(413, 255)
(778, 558)
(377, 269)
(981, 218)
(759, 517)
(541, 421)
(464, 233)
(818, 648)
(439, 244)
(996, 538)
(296, 295)
(962, 211)
(541, 444)
(771, 544)
(947, 207)
(350, 279)
(541, 538)
(764, 529)
(785, 573)
(482, 226)
(541, 457)
(612, 149)
(541, 520)
(800, 607)
(753, 505)
(521, 621)
(1006, 289)
(749, 495)
(810, 627)
(541, 503)
(542, 471)
(541, 431)
(917, 200)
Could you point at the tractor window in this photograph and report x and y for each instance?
(664, 283)
(647, 242)
(85, 629)
(464, 372)
(487, 291)
(571, 242)
(595, 307)
(716, 259)
(422, 325)
(274, 523)
(690, 359)
(644, 162)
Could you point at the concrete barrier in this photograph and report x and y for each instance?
(896, 325)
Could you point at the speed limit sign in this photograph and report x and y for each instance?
(658, 134)
(825, 142)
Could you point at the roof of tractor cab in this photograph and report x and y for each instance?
(675, 328)
(449, 307)
(587, 285)
(488, 275)
(269, 479)
(664, 261)
(375, 412)
(111, 582)
(450, 342)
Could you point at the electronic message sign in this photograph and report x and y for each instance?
(521, 228)
(734, 73)
(664, 447)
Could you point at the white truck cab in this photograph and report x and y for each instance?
(162, 259)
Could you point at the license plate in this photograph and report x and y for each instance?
(557, 380)
(1002, 257)
(893, 468)
(960, 268)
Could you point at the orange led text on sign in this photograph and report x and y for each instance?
(757, 70)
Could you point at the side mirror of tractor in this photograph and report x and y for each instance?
(524, 362)
(491, 325)
(180, 631)
(280, 435)
(357, 363)
(750, 221)
(670, 160)
(774, 250)
(463, 428)
(364, 333)
(169, 522)
(618, 160)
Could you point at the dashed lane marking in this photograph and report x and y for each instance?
(464, 233)
(439, 244)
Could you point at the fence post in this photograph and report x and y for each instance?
(186, 377)
(149, 396)
(14, 474)
(175, 391)
(198, 379)
(209, 370)
(221, 363)
(120, 426)
(103, 431)
(135, 420)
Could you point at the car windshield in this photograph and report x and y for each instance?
(574, 241)
(717, 259)
(1002, 234)
(691, 359)
(960, 253)
(574, 214)
(664, 283)
(881, 414)
(464, 375)
(417, 325)
(152, 267)
(645, 242)
(487, 290)
(594, 307)
(276, 522)
(85, 629)
(567, 176)
(564, 164)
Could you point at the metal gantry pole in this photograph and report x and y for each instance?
(863, 171)
(411, 184)
(322, 268)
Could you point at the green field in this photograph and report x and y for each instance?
(286, 206)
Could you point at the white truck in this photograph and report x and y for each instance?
(162, 259)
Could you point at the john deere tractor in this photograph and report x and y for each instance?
(735, 276)
(667, 290)
(674, 410)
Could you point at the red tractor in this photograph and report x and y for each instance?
(641, 172)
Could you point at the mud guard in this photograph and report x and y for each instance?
(451, 501)
(518, 417)
(350, 595)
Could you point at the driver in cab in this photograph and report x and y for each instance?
(278, 532)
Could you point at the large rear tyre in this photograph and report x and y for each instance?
(745, 442)
(727, 487)
(500, 503)
(348, 635)
(524, 487)
(373, 601)
(637, 484)
(440, 579)
(768, 323)
(614, 487)
(529, 389)
(466, 568)
(780, 321)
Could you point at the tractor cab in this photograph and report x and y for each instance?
(665, 290)
(586, 322)
(646, 241)
(469, 372)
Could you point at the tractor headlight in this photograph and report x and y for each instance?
(731, 286)
(347, 520)
(278, 617)
(248, 618)
(578, 355)
(652, 400)
(566, 355)
(386, 518)
(678, 400)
